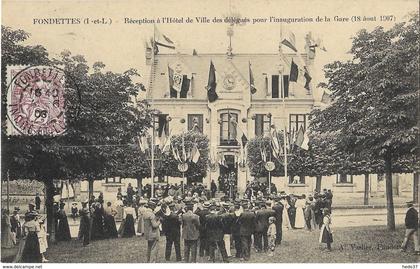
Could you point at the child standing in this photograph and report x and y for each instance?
(271, 234)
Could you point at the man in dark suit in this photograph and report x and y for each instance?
(278, 214)
(213, 189)
(214, 229)
(228, 218)
(171, 226)
(204, 251)
(262, 216)
(190, 233)
(411, 227)
(236, 231)
(247, 222)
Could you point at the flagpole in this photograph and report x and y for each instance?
(152, 170)
(284, 104)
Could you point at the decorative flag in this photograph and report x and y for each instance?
(299, 137)
(251, 81)
(175, 153)
(289, 41)
(263, 155)
(175, 79)
(184, 154)
(140, 144)
(275, 143)
(244, 140)
(211, 84)
(305, 144)
(195, 154)
(308, 79)
(163, 40)
(294, 72)
(155, 47)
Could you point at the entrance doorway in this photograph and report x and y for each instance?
(228, 179)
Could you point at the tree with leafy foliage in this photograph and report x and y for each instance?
(196, 171)
(374, 112)
(101, 119)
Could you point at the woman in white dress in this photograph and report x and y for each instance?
(300, 207)
(119, 206)
(42, 237)
(286, 221)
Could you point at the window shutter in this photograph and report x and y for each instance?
(274, 86)
(286, 86)
(259, 125)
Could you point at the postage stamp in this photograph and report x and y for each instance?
(36, 101)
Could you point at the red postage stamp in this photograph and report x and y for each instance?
(36, 100)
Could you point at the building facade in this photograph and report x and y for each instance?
(178, 89)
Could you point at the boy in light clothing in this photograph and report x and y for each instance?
(271, 235)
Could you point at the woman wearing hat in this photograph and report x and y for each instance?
(128, 219)
(326, 233)
(31, 251)
(6, 230)
(63, 230)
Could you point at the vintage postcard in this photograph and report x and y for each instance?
(210, 131)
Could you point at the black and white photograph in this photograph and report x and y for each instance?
(210, 131)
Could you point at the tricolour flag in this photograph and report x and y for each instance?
(299, 137)
(289, 41)
(308, 79)
(195, 154)
(211, 84)
(251, 81)
(294, 72)
(163, 40)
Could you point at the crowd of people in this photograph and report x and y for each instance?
(184, 212)
(31, 237)
(230, 227)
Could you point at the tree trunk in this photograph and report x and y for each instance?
(318, 183)
(90, 189)
(388, 189)
(139, 186)
(366, 194)
(49, 207)
(416, 188)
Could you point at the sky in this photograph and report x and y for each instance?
(121, 46)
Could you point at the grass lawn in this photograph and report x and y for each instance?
(351, 245)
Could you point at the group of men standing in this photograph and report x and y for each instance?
(208, 227)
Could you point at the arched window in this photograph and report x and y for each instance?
(228, 128)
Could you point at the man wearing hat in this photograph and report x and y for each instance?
(171, 227)
(214, 229)
(278, 214)
(15, 225)
(247, 222)
(151, 232)
(411, 228)
(190, 233)
(228, 218)
(204, 250)
(262, 216)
